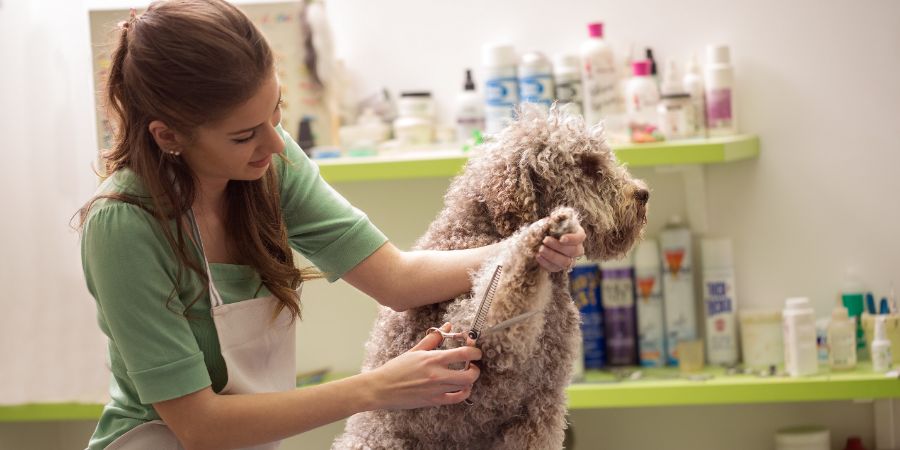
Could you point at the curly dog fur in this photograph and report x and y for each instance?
(544, 165)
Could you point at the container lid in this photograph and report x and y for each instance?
(716, 253)
(416, 94)
(803, 436)
(469, 85)
(759, 315)
(641, 68)
(595, 29)
(797, 303)
(646, 254)
(718, 54)
(498, 55)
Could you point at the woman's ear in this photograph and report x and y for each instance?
(166, 138)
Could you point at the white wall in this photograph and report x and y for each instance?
(817, 83)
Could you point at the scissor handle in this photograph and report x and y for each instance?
(459, 338)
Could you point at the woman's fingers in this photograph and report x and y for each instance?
(432, 340)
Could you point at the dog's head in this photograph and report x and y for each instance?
(542, 161)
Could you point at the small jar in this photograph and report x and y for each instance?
(412, 131)
(416, 104)
(676, 116)
(761, 339)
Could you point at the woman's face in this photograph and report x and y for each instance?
(239, 147)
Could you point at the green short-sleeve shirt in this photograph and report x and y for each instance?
(157, 354)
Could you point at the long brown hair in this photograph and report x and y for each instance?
(187, 63)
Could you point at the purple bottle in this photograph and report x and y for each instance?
(617, 294)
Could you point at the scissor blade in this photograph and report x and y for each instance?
(509, 322)
(485, 305)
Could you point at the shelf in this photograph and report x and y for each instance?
(447, 163)
(665, 387)
(659, 387)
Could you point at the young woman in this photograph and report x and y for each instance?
(187, 250)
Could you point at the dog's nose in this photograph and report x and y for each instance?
(642, 195)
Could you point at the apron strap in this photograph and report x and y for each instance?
(214, 298)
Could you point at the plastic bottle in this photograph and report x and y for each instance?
(586, 295)
(617, 298)
(501, 85)
(567, 78)
(853, 298)
(536, 80)
(799, 337)
(651, 322)
(720, 301)
(841, 340)
(598, 74)
(469, 111)
(675, 110)
(641, 100)
(678, 286)
(693, 85)
(648, 54)
(881, 347)
(720, 96)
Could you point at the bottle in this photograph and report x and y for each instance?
(720, 96)
(720, 301)
(641, 99)
(841, 340)
(617, 298)
(854, 443)
(567, 78)
(678, 286)
(469, 111)
(414, 125)
(881, 347)
(675, 110)
(586, 295)
(799, 337)
(536, 80)
(501, 86)
(598, 74)
(648, 53)
(853, 298)
(693, 85)
(651, 322)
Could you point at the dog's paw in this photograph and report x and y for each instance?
(562, 220)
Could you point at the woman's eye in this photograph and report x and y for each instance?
(244, 140)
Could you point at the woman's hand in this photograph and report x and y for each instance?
(421, 377)
(560, 254)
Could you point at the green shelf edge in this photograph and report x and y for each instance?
(691, 151)
(661, 388)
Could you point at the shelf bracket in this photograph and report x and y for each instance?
(694, 177)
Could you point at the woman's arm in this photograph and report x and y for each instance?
(403, 280)
(204, 420)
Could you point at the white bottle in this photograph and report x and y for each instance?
(693, 85)
(799, 337)
(720, 96)
(536, 80)
(641, 100)
(501, 86)
(678, 286)
(567, 78)
(841, 340)
(651, 322)
(720, 301)
(469, 111)
(599, 78)
(881, 347)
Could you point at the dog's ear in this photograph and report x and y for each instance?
(514, 200)
(591, 164)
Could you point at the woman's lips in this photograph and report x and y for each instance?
(262, 162)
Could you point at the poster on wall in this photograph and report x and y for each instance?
(280, 22)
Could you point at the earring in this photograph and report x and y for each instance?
(174, 152)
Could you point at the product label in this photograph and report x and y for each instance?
(501, 91)
(600, 89)
(718, 108)
(721, 332)
(678, 290)
(617, 296)
(537, 89)
(569, 95)
(586, 295)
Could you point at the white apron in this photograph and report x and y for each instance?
(258, 352)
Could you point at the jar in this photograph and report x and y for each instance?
(676, 116)
(761, 339)
(416, 104)
(411, 131)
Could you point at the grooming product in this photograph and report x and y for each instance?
(598, 74)
(678, 286)
(883, 308)
(567, 78)
(641, 100)
(536, 80)
(870, 303)
(822, 341)
(720, 95)
(690, 359)
(762, 343)
(841, 340)
(693, 85)
(853, 298)
(803, 438)
(720, 301)
(583, 283)
(617, 298)
(891, 332)
(799, 337)
(415, 122)
(469, 111)
(881, 347)
(648, 54)
(651, 322)
(501, 86)
(675, 110)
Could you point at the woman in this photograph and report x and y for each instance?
(187, 250)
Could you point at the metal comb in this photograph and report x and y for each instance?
(485, 306)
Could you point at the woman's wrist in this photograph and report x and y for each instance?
(369, 387)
